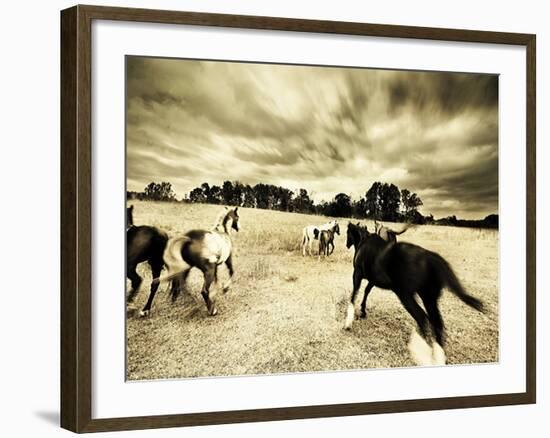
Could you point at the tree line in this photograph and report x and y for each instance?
(382, 201)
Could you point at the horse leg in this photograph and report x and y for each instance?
(350, 315)
(156, 268)
(304, 241)
(414, 309)
(419, 347)
(229, 264)
(135, 279)
(177, 284)
(209, 276)
(434, 315)
(310, 242)
(364, 302)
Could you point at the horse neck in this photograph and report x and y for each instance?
(226, 219)
(376, 245)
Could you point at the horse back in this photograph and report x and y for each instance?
(412, 267)
(144, 243)
(209, 246)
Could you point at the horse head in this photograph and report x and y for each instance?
(236, 225)
(233, 216)
(336, 229)
(354, 235)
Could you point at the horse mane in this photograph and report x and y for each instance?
(220, 220)
(223, 217)
(357, 232)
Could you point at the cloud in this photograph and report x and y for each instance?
(328, 130)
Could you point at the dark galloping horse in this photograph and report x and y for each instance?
(205, 250)
(407, 270)
(355, 237)
(143, 244)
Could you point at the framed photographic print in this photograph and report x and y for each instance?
(270, 218)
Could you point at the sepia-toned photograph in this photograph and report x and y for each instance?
(295, 218)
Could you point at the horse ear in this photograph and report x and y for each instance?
(131, 208)
(236, 208)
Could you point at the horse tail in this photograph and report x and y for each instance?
(172, 259)
(405, 228)
(449, 279)
(167, 277)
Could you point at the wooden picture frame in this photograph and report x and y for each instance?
(76, 217)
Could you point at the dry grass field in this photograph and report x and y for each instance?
(285, 313)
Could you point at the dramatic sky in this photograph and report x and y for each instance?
(328, 130)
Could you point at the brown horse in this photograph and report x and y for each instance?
(326, 240)
(143, 244)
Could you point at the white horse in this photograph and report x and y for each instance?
(205, 250)
(311, 233)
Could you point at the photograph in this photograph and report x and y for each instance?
(285, 218)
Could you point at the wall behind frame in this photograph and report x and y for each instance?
(29, 172)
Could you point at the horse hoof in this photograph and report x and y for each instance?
(144, 313)
(350, 316)
(363, 316)
(214, 312)
(438, 355)
(225, 289)
(421, 352)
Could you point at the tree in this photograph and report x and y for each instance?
(341, 206)
(285, 199)
(389, 201)
(323, 208)
(261, 194)
(214, 195)
(302, 202)
(249, 199)
(491, 221)
(372, 200)
(359, 208)
(159, 192)
(205, 189)
(227, 192)
(410, 202)
(197, 195)
(238, 193)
